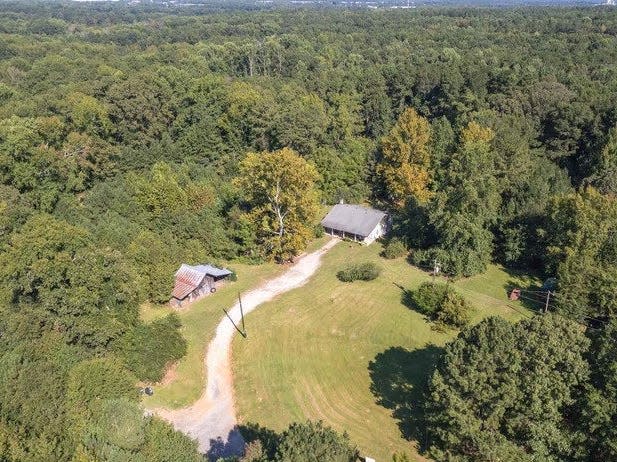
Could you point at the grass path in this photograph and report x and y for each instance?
(331, 351)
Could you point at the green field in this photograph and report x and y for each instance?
(332, 350)
(199, 321)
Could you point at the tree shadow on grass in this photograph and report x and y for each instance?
(532, 297)
(268, 438)
(232, 446)
(399, 380)
(408, 300)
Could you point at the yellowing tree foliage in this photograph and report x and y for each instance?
(279, 189)
(476, 133)
(404, 167)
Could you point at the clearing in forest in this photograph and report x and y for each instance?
(199, 321)
(351, 354)
(211, 420)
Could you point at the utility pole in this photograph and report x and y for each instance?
(243, 330)
(242, 315)
(548, 299)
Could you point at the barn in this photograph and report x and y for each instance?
(356, 222)
(193, 282)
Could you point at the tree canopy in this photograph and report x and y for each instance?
(487, 398)
(134, 138)
(281, 199)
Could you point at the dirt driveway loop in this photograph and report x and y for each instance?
(211, 420)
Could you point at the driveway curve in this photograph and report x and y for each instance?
(211, 420)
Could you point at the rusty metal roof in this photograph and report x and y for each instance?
(189, 278)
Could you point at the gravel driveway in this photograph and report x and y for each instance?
(211, 420)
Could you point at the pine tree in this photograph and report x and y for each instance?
(467, 205)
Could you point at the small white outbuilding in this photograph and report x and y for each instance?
(356, 222)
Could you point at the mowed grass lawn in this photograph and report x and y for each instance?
(199, 321)
(330, 350)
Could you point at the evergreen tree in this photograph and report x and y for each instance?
(581, 251)
(314, 442)
(488, 396)
(466, 206)
(599, 409)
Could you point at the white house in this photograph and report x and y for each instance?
(356, 222)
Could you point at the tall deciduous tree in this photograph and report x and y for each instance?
(51, 269)
(89, 115)
(404, 166)
(605, 175)
(463, 211)
(156, 263)
(279, 190)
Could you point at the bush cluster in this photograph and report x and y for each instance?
(305, 442)
(442, 304)
(233, 277)
(148, 348)
(395, 248)
(359, 272)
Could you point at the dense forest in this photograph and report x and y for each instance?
(134, 139)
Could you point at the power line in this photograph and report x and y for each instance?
(547, 302)
(542, 302)
(502, 302)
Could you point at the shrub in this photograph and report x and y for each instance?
(400, 457)
(163, 443)
(148, 348)
(359, 272)
(119, 426)
(314, 442)
(428, 297)
(395, 248)
(454, 310)
(442, 304)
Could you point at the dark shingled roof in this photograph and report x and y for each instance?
(353, 219)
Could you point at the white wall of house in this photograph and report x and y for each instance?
(379, 231)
